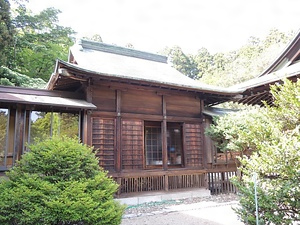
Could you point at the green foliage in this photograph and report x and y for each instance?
(278, 166)
(58, 182)
(247, 62)
(204, 61)
(286, 98)
(11, 78)
(273, 135)
(38, 41)
(3, 132)
(232, 131)
(183, 63)
(61, 124)
(227, 69)
(6, 30)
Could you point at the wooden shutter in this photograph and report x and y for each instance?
(193, 145)
(132, 144)
(103, 140)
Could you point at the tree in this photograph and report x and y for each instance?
(11, 78)
(38, 41)
(230, 68)
(231, 132)
(273, 136)
(49, 124)
(58, 182)
(183, 63)
(3, 133)
(247, 62)
(6, 30)
(204, 62)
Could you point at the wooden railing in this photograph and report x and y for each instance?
(186, 181)
(146, 181)
(159, 180)
(219, 182)
(139, 184)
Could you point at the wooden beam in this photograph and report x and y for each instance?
(118, 132)
(147, 117)
(144, 173)
(184, 146)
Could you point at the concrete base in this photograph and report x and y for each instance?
(146, 197)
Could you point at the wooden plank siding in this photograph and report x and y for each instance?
(104, 98)
(186, 106)
(103, 140)
(118, 127)
(132, 144)
(141, 102)
(193, 143)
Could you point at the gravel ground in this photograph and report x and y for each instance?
(147, 208)
(212, 210)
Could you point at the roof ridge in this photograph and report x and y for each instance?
(114, 49)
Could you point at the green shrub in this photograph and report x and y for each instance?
(58, 182)
(273, 136)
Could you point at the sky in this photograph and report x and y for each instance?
(152, 25)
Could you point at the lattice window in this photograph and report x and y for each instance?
(132, 144)
(174, 143)
(153, 143)
(103, 139)
(193, 145)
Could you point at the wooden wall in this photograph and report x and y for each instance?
(117, 130)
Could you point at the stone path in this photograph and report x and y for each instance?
(205, 211)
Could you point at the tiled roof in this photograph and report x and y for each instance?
(120, 62)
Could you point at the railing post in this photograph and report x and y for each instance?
(166, 182)
(119, 182)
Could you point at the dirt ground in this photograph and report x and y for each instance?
(213, 210)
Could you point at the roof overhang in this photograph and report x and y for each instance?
(43, 98)
(257, 90)
(70, 77)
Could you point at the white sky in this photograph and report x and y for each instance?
(151, 25)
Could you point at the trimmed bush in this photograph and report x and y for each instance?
(58, 182)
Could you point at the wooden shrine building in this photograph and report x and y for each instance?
(145, 119)
(148, 128)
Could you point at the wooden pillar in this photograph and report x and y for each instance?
(118, 165)
(184, 145)
(87, 115)
(18, 137)
(84, 128)
(164, 135)
(203, 149)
